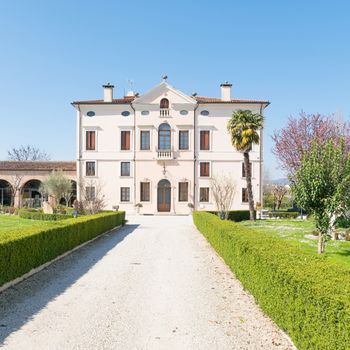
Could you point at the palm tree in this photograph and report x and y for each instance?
(243, 128)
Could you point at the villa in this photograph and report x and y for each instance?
(158, 152)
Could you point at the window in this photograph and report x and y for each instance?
(145, 192)
(125, 141)
(164, 137)
(205, 113)
(125, 113)
(125, 169)
(125, 194)
(145, 140)
(243, 169)
(183, 112)
(204, 168)
(145, 113)
(90, 140)
(204, 194)
(244, 195)
(204, 140)
(164, 103)
(90, 169)
(183, 139)
(183, 191)
(90, 113)
(90, 193)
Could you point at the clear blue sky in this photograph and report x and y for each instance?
(294, 53)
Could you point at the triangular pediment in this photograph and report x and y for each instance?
(164, 90)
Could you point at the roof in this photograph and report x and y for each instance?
(115, 101)
(204, 99)
(38, 165)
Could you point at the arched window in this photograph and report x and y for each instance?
(164, 103)
(164, 137)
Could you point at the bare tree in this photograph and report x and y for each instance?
(92, 199)
(223, 189)
(28, 152)
(16, 184)
(279, 191)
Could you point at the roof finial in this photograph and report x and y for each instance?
(164, 77)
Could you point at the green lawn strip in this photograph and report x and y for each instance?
(298, 232)
(307, 295)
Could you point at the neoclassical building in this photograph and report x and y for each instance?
(159, 151)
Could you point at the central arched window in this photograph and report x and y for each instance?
(164, 103)
(164, 137)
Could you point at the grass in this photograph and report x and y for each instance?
(11, 223)
(299, 232)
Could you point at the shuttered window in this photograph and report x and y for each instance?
(145, 192)
(125, 141)
(90, 169)
(183, 191)
(125, 194)
(244, 195)
(204, 168)
(90, 140)
(125, 169)
(145, 140)
(183, 140)
(204, 140)
(204, 194)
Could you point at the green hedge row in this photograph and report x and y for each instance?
(283, 214)
(236, 215)
(305, 294)
(37, 215)
(24, 249)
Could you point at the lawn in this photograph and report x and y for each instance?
(299, 232)
(11, 223)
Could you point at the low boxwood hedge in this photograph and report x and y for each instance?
(24, 249)
(305, 294)
(236, 215)
(284, 214)
(39, 215)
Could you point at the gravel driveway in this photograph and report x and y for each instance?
(154, 284)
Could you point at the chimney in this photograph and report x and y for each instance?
(108, 92)
(226, 91)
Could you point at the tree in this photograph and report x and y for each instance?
(28, 152)
(279, 191)
(321, 186)
(15, 188)
(57, 185)
(244, 127)
(92, 200)
(223, 190)
(294, 140)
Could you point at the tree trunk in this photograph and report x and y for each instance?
(248, 176)
(321, 243)
(331, 229)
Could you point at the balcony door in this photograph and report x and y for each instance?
(164, 196)
(164, 137)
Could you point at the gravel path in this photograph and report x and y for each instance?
(154, 284)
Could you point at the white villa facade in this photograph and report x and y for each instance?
(159, 151)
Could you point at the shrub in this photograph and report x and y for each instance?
(28, 248)
(38, 215)
(283, 214)
(305, 294)
(7, 210)
(236, 215)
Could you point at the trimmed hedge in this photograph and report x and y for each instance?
(305, 294)
(236, 215)
(27, 248)
(38, 215)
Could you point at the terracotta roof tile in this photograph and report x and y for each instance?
(115, 101)
(205, 99)
(38, 165)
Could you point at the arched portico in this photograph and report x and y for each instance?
(6, 193)
(164, 196)
(31, 195)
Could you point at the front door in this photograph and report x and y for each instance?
(164, 196)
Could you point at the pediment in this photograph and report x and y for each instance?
(164, 90)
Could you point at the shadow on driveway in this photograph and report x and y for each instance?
(20, 303)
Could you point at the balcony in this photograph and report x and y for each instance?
(164, 154)
(164, 112)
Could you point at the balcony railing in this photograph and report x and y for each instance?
(164, 154)
(164, 112)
